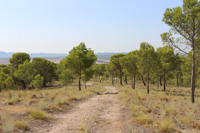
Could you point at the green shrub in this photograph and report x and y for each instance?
(38, 81)
(38, 114)
(144, 119)
(21, 124)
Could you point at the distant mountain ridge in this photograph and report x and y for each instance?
(9, 54)
(107, 55)
(5, 55)
(55, 57)
(104, 55)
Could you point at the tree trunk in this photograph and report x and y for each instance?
(45, 83)
(85, 85)
(193, 74)
(177, 83)
(133, 82)
(79, 82)
(143, 81)
(23, 84)
(112, 81)
(164, 84)
(126, 79)
(161, 81)
(147, 82)
(121, 77)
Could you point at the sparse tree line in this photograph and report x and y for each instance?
(161, 67)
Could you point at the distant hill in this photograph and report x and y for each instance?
(106, 56)
(9, 55)
(5, 55)
(54, 57)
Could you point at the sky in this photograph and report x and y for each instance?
(56, 26)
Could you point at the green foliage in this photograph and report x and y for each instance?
(38, 81)
(146, 61)
(177, 64)
(79, 59)
(186, 69)
(146, 56)
(65, 77)
(184, 21)
(87, 75)
(99, 70)
(61, 66)
(128, 63)
(18, 58)
(166, 55)
(111, 70)
(9, 83)
(45, 68)
(25, 72)
(115, 62)
(157, 71)
(3, 78)
(187, 72)
(5, 69)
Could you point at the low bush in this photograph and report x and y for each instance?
(38, 114)
(21, 124)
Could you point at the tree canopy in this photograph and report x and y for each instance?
(184, 21)
(79, 59)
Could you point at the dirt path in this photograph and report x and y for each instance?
(112, 117)
(99, 114)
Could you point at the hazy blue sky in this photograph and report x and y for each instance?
(56, 26)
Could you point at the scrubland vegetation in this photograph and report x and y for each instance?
(169, 111)
(19, 108)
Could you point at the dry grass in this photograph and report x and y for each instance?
(36, 103)
(7, 122)
(165, 126)
(21, 124)
(37, 114)
(144, 119)
(42, 105)
(83, 129)
(164, 111)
